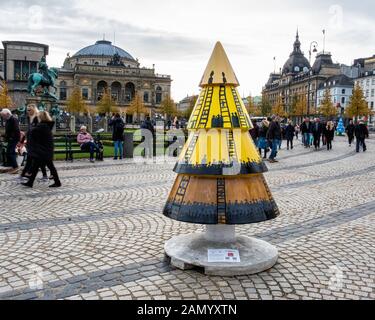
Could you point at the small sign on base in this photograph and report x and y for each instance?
(223, 255)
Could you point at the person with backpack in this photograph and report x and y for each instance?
(118, 127)
(148, 131)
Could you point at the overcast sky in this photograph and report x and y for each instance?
(179, 35)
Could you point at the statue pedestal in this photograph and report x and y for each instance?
(191, 251)
(48, 102)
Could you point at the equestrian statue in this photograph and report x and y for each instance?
(45, 78)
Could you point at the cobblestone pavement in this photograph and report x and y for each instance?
(102, 235)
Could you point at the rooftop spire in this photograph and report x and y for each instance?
(219, 70)
(297, 44)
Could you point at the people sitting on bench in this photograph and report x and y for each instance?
(86, 141)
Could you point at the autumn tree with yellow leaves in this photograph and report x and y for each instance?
(5, 99)
(326, 108)
(358, 106)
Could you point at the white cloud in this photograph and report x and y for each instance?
(178, 35)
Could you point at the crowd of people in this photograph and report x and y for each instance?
(270, 133)
(38, 142)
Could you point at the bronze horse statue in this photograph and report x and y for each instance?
(38, 79)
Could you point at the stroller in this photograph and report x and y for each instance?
(99, 143)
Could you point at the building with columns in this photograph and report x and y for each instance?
(104, 67)
(299, 79)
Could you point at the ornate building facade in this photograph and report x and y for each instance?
(104, 67)
(298, 79)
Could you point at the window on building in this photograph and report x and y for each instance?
(343, 91)
(372, 93)
(63, 93)
(373, 81)
(343, 100)
(23, 69)
(146, 97)
(368, 82)
(159, 95)
(85, 93)
(372, 105)
(367, 93)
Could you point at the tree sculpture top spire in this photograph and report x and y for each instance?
(219, 70)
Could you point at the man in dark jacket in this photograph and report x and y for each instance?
(118, 126)
(274, 136)
(289, 134)
(307, 130)
(317, 131)
(350, 129)
(12, 137)
(361, 133)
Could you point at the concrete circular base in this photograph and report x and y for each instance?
(190, 251)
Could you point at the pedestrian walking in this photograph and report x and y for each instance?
(274, 136)
(262, 140)
(118, 127)
(42, 149)
(32, 121)
(297, 131)
(12, 137)
(289, 134)
(350, 131)
(282, 127)
(361, 133)
(329, 134)
(317, 133)
(254, 132)
(307, 130)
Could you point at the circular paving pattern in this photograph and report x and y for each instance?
(102, 235)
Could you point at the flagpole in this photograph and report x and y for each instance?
(324, 40)
(274, 65)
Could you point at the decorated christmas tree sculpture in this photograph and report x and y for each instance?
(340, 128)
(220, 180)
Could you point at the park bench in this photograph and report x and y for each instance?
(69, 146)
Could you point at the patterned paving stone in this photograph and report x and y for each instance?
(102, 235)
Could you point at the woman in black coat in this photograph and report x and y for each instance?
(289, 134)
(32, 121)
(41, 149)
(329, 133)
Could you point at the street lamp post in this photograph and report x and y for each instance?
(315, 45)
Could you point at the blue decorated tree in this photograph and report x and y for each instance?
(340, 128)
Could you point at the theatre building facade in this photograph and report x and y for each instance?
(103, 67)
